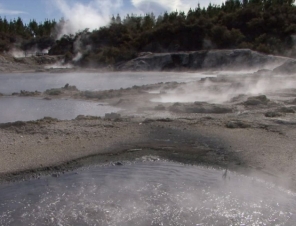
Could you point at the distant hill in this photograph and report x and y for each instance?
(266, 26)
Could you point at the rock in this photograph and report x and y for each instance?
(144, 54)
(197, 60)
(257, 100)
(237, 124)
(87, 117)
(12, 124)
(1, 94)
(148, 120)
(238, 98)
(164, 120)
(288, 67)
(199, 107)
(272, 114)
(160, 108)
(263, 72)
(286, 110)
(112, 115)
(293, 101)
(68, 87)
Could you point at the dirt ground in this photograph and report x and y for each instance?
(251, 134)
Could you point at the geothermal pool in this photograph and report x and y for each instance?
(10, 83)
(28, 108)
(146, 193)
(24, 109)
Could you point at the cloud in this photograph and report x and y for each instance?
(10, 12)
(92, 15)
(170, 5)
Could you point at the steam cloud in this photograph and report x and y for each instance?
(97, 13)
(222, 92)
(160, 6)
(81, 16)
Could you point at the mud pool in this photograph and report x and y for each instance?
(27, 108)
(146, 193)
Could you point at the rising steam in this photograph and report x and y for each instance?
(223, 91)
(80, 16)
(97, 13)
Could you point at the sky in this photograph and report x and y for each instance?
(90, 14)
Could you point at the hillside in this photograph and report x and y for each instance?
(266, 26)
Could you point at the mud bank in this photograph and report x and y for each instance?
(235, 128)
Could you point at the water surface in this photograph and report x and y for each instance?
(29, 108)
(146, 193)
(10, 83)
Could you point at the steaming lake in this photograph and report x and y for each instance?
(24, 109)
(146, 193)
(10, 83)
(28, 108)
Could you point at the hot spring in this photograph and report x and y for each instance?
(146, 193)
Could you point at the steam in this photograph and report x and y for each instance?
(59, 65)
(97, 13)
(224, 89)
(150, 194)
(80, 16)
(77, 57)
(161, 6)
(17, 53)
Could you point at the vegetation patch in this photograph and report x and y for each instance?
(53, 92)
(28, 93)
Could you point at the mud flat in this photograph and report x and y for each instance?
(238, 127)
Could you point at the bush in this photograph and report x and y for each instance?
(53, 92)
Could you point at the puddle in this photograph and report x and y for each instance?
(27, 108)
(146, 193)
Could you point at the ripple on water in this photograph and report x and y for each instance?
(146, 193)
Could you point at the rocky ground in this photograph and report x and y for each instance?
(8, 63)
(246, 124)
(234, 59)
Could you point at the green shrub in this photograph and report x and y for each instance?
(53, 92)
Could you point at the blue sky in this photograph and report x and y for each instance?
(51, 9)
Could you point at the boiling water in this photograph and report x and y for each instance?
(27, 108)
(146, 193)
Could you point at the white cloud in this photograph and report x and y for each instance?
(171, 5)
(10, 12)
